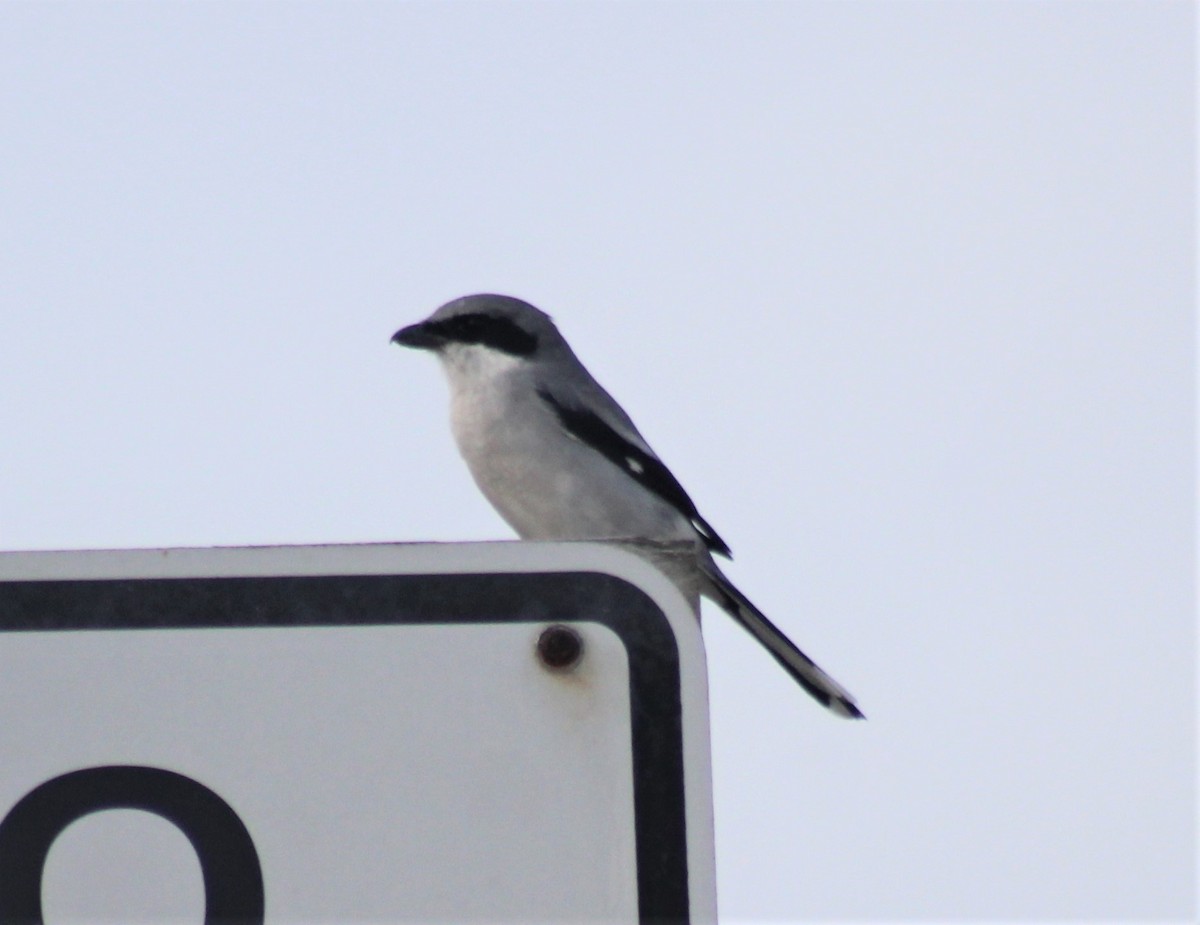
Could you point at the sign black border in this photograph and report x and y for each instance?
(373, 600)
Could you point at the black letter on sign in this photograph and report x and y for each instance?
(233, 886)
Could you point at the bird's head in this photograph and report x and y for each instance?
(496, 323)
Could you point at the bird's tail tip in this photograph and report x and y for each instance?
(846, 708)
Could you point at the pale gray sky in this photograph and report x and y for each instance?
(903, 292)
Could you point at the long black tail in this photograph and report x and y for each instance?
(806, 672)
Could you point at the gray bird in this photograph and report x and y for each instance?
(560, 460)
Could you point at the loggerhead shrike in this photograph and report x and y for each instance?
(560, 460)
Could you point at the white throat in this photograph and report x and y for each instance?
(472, 366)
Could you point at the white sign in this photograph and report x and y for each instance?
(501, 732)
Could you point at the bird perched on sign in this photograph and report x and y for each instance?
(560, 460)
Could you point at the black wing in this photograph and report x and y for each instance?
(590, 428)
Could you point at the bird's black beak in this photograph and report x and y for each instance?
(419, 336)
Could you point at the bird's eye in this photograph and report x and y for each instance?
(468, 327)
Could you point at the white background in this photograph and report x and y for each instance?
(902, 293)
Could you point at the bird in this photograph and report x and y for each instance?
(559, 459)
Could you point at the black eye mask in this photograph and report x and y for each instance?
(487, 330)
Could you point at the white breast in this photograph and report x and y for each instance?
(543, 482)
